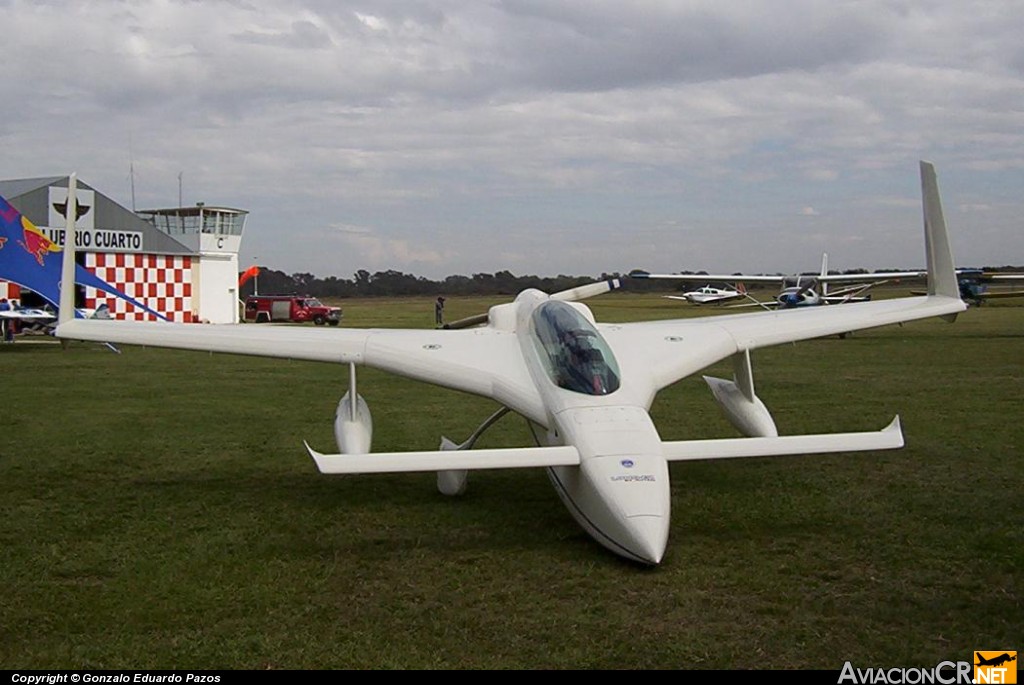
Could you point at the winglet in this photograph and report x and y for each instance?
(317, 456)
(67, 268)
(895, 431)
(941, 268)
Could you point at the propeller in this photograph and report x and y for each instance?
(581, 292)
(474, 320)
(793, 299)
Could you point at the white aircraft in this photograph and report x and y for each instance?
(44, 321)
(584, 388)
(709, 294)
(27, 314)
(25, 318)
(805, 291)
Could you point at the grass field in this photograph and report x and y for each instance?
(157, 510)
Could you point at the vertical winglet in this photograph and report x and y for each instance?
(941, 268)
(67, 267)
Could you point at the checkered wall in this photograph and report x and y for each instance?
(161, 282)
(9, 291)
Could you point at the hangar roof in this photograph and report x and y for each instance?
(31, 197)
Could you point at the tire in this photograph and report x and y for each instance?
(333, 322)
(263, 317)
(319, 320)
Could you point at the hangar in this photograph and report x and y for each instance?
(181, 262)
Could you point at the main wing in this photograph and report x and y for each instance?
(481, 361)
(674, 349)
(709, 278)
(872, 277)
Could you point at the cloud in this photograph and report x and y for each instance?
(376, 252)
(490, 127)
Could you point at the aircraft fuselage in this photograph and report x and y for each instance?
(620, 491)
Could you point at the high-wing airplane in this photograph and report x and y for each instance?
(584, 388)
(974, 285)
(797, 291)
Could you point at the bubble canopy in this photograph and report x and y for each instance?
(572, 352)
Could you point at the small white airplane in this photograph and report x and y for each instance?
(22, 318)
(27, 314)
(709, 294)
(806, 290)
(44, 320)
(584, 388)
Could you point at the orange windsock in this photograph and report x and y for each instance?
(251, 272)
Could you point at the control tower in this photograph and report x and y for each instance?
(214, 234)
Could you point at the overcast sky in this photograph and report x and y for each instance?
(439, 136)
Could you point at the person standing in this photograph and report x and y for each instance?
(439, 311)
(6, 332)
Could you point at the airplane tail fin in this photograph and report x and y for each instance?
(941, 268)
(824, 272)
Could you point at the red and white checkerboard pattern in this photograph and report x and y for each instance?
(161, 282)
(9, 291)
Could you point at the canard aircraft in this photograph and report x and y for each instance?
(584, 387)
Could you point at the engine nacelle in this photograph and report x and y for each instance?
(452, 483)
(353, 430)
(749, 416)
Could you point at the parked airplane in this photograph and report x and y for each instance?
(974, 285)
(13, 319)
(584, 388)
(27, 314)
(797, 291)
(45, 320)
(710, 295)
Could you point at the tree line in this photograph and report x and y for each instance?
(396, 283)
(393, 283)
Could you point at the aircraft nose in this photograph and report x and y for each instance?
(648, 537)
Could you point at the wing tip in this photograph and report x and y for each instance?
(316, 456)
(895, 430)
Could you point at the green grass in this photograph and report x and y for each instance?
(157, 510)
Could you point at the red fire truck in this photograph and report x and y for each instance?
(295, 308)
